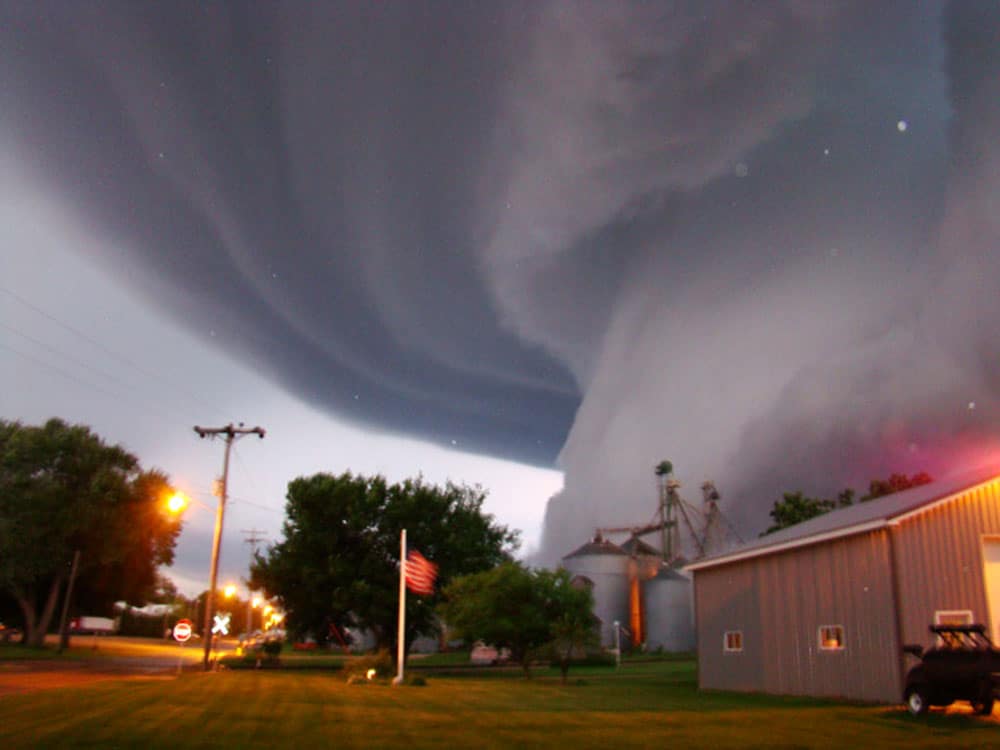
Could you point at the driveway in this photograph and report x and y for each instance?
(103, 658)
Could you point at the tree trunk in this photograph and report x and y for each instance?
(50, 609)
(37, 625)
(27, 606)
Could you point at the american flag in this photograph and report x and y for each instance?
(420, 573)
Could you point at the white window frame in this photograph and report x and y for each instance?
(725, 642)
(950, 617)
(822, 642)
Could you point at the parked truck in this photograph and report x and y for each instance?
(93, 626)
(962, 665)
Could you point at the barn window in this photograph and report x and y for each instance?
(953, 617)
(831, 637)
(733, 641)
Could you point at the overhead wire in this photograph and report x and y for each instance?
(75, 379)
(78, 363)
(252, 480)
(124, 389)
(204, 405)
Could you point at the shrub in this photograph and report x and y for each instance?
(381, 662)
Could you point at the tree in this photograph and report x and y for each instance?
(338, 563)
(63, 489)
(794, 507)
(572, 624)
(522, 610)
(895, 483)
(503, 607)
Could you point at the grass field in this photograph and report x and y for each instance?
(643, 705)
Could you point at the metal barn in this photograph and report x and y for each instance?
(823, 608)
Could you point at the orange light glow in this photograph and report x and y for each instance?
(177, 503)
(229, 591)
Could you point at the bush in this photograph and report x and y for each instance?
(381, 662)
(257, 654)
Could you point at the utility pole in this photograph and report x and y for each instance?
(229, 433)
(253, 537)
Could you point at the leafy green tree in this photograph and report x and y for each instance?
(338, 563)
(63, 489)
(794, 507)
(572, 625)
(522, 610)
(895, 483)
(503, 607)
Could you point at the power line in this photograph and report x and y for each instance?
(104, 348)
(244, 501)
(77, 363)
(253, 537)
(71, 377)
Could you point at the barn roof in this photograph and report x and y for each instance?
(858, 518)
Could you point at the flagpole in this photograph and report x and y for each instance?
(400, 646)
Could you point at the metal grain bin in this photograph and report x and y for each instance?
(669, 614)
(605, 564)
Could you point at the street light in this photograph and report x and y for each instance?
(230, 591)
(253, 602)
(177, 503)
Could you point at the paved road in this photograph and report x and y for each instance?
(102, 658)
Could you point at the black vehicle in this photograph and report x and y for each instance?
(962, 665)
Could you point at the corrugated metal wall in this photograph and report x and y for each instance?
(669, 618)
(780, 601)
(939, 560)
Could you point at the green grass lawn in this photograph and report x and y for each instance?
(643, 705)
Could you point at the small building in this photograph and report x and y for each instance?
(824, 608)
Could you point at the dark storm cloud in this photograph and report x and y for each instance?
(300, 183)
(822, 314)
(758, 239)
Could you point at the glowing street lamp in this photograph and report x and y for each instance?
(230, 591)
(177, 503)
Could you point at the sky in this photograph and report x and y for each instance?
(539, 246)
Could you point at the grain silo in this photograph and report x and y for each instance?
(605, 566)
(667, 607)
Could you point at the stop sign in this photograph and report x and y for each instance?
(182, 630)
